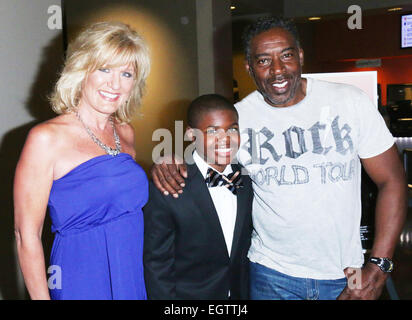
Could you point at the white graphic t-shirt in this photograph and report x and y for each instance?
(304, 161)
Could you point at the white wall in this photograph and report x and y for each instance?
(24, 36)
(30, 54)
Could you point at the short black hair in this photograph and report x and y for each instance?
(265, 24)
(207, 103)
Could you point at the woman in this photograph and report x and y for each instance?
(81, 165)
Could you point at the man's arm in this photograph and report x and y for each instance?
(158, 253)
(387, 172)
(168, 176)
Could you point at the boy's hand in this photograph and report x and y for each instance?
(168, 175)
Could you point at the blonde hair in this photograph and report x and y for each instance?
(104, 44)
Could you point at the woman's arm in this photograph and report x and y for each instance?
(32, 184)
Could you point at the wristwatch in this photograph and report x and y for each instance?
(385, 264)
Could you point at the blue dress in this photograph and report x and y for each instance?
(97, 218)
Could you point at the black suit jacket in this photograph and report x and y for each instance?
(185, 254)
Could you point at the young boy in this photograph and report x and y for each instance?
(195, 246)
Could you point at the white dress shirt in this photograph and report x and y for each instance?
(224, 200)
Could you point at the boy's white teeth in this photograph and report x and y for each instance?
(109, 95)
(224, 150)
(280, 85)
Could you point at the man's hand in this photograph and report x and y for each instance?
(168, 175)
(364, 284)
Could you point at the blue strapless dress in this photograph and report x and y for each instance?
(97, 218)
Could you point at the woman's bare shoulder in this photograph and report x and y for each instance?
(49, 134)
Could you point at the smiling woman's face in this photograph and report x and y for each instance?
(106, 89)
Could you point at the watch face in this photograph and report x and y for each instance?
(387, 265)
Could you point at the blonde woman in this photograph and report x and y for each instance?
(81, 165)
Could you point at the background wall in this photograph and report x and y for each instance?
(305, 8)
(330, 46)
(336, 48)
(30, 55)
(169, 28)
(214, 47)
(244, 81)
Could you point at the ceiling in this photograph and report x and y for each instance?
(302, 9)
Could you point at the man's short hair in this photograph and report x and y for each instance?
(207, 103)
(265, 24)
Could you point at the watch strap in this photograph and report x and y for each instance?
(385, 264)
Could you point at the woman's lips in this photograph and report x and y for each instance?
(109, 96)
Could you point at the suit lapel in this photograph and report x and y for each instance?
(204, 202)
(241, 213)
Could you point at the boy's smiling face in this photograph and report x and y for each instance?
(217, 137)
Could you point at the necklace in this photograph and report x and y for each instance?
(106, 148)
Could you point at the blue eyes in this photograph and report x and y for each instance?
(126, 74)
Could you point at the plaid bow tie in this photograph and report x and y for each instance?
(232, 181)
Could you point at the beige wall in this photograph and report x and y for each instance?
(169, 28)
(222, 47)
(244, 81)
